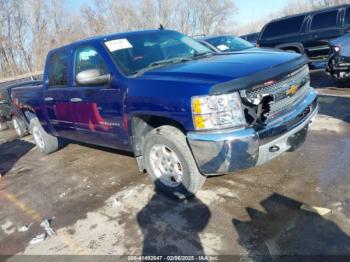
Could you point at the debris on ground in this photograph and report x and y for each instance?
(62, 194)
(24, 228)
(128, 194)
(314, 209)
(46, 224)
(8, 227)
(38, 238)
(115, 203)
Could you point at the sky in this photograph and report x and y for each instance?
(254, 10)
(248, 10)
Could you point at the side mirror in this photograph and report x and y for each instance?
(92, 77)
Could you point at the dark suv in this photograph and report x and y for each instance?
(308, 32)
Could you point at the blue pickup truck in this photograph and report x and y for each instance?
(184, 111)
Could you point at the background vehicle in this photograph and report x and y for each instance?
(339, 59)
(7, 108)
(184, 111)
(308, 32)
(225, 43)
(252, 38)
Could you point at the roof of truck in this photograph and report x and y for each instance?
(311, 12)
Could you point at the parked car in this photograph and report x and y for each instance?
(308, 32)
(252, 37)
(338, 65)
(184, 111)
(225, 43)
(7, 108)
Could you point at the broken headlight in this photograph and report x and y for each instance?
(217, 111)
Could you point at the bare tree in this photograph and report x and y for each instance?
(30, 28)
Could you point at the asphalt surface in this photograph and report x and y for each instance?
(100, 204)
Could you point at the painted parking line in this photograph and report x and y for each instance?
(38, 218)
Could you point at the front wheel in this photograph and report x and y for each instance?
(170, 164)
(45, 142)
(3, 126)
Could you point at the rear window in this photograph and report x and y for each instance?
(58, 66)
(324, 20)
(347, 16)
(284, 27)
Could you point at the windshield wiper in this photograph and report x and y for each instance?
(161, 63)
(204, 54)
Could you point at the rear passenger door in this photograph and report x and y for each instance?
(96, 108)
(57, 95)
(324, 26)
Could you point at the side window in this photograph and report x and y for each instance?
(347, 16)
(88, 58)
(58, 66)
(324, 20)
(284, 27)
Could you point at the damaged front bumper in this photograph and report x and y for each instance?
(232, 150)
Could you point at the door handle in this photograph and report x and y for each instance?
(76, 100)
(48, 99)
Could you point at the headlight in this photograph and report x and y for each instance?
(216, 112)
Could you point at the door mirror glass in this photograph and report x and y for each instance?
(92, 77)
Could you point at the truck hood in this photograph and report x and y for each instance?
(223, 67)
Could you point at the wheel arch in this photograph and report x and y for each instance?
(297, 47)
(141, 125)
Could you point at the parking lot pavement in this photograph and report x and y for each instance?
(100, 204)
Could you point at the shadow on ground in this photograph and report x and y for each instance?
(172, 227)
(285, 229)
(11, 152)
(320, 79)
(340, 111)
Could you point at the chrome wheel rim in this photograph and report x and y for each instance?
(38, 137)
(166, 165)
(16, 126)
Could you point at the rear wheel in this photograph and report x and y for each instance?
(3, 126)
(45, 142)
(170, 164)
(19, 127)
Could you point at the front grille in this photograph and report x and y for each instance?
(281, 101)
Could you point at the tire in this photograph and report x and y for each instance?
(3, 126)
(45, 142)
(166, 151)
(19, 127)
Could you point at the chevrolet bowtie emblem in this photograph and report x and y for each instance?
(292, 90)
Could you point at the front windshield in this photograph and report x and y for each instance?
(229, 43)
(137, 52)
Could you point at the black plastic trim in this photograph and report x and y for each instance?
(250, 81)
